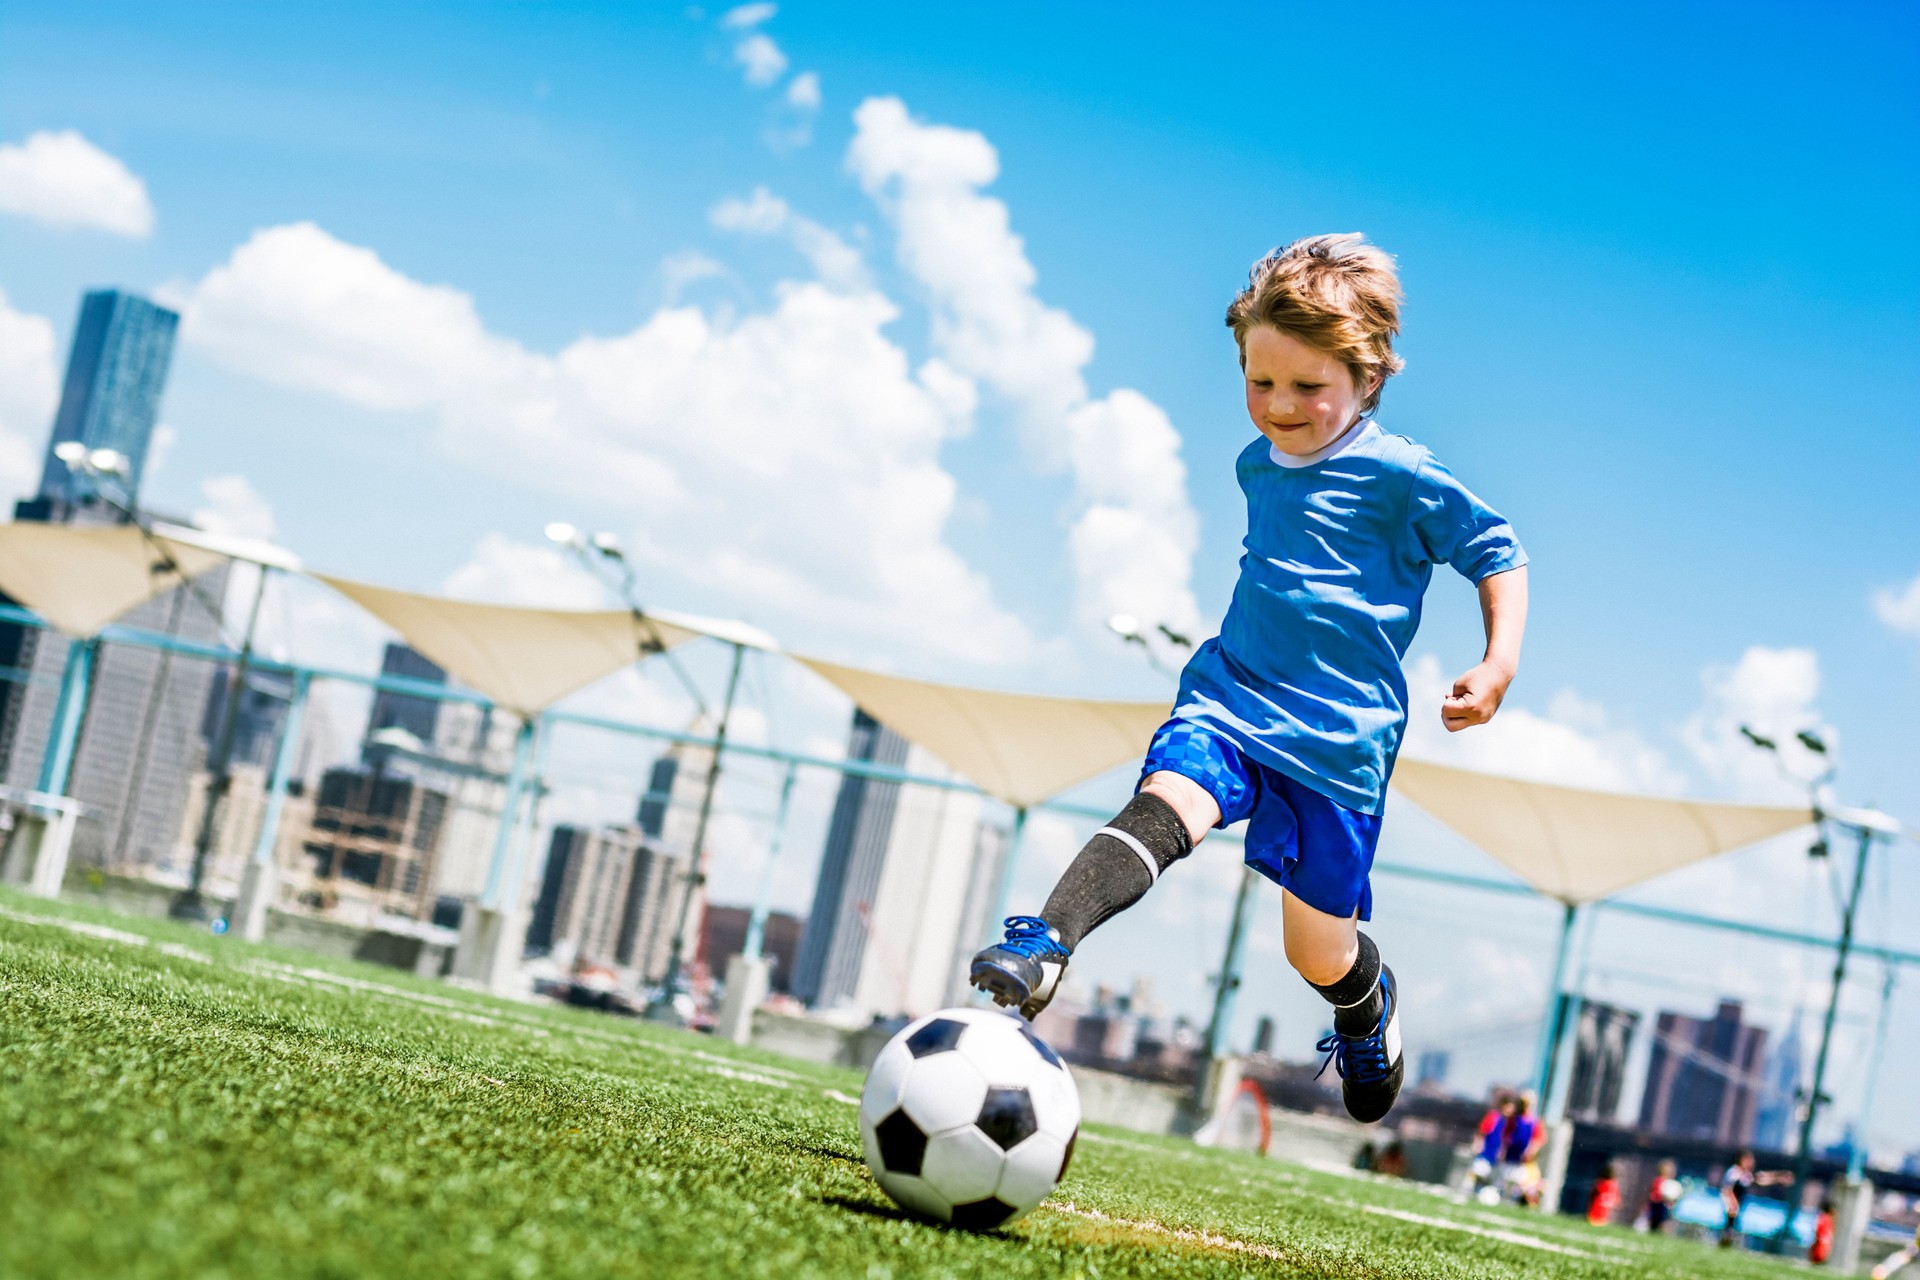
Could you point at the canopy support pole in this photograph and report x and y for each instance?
(1857, 1158)
(189, 905)
(1555, 1026)
(63, 741)
(489, 942)
(763, 897)
(662, 1008)
(261, 881)
(1221, 1024)
(1803, 1153)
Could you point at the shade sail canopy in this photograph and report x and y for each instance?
(80, 578)
(524, 659)
(1578, 845)
(1017, 747)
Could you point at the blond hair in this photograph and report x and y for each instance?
(1337, 293)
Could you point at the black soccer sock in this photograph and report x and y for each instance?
(1117, 867)
(1356, 998)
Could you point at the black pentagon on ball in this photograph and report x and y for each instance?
(1041, 1047)
(1067, 1159)
(937, 1036)
(982, 1215)
(902, 1145)
(1007, 1117)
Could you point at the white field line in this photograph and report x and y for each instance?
(1207, 1238)
(1447, 1224)
(840, 1097)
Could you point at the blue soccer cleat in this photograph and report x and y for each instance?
(1371, 1067)
(1023, 969)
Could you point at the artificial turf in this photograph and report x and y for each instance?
(174, 1104)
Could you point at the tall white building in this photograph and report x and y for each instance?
(906, 883)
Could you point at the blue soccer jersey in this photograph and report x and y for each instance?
(1305, 675)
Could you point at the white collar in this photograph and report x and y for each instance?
(1294, 461)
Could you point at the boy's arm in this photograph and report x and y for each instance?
(1477, 694)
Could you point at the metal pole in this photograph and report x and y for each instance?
(189, 905)
(1221, 1023)
(763, 898)
(509, 814)
(282, 768)
(696, 870)
(1803, 1155)
(1556, 1007)
(56, 768)
(1003, 883)
(1553, 1107)
(1857, 1161)
(520, 835)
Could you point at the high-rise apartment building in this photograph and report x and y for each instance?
(418, 716)
(116, 371)
(1602, 1039)
(615, 902)
(905, 884)
(1779, 1107)
(1703, 1076)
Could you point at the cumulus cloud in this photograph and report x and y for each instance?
(803, 91)
(1899, 607)
(234, 507)
(747, 16)
(29, 389)
(834, 505)
(61, 179)
(834, 260)
(1573, 744)
(1772, 692)
(680, 270)
(760, 59)
(1135, 531)
(541, 576)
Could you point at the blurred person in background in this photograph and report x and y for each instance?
(1606, 1196)
(1662, 1196)
(1896, 1262)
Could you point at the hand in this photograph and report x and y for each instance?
(1475, 697)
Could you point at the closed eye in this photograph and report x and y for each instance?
(1310, 386)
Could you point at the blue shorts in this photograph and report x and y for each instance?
(1317, 849)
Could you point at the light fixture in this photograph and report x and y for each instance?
(563, 533)
(71, 452)
(1126, 626)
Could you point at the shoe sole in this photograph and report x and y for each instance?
(1007, 992)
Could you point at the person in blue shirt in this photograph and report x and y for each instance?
(1291, 718)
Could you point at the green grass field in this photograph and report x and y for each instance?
(172, 1104)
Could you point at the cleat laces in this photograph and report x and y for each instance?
(1031, 936)
(1359, 1059)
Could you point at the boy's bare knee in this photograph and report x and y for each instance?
(1319, 966)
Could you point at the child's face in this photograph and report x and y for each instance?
(1298, 396)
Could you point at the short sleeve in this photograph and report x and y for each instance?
(1452, 526)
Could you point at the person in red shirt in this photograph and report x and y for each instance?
(1606, 1196)
(1822, 1247)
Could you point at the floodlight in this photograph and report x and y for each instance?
(1759, 740)
(108, 462)
(71, 452)
(1811, 741)
(563, 533)
(1126, 626)
(608, 545)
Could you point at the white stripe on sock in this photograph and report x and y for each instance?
(1363, 999)
(1153, 867)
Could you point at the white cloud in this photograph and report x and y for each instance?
(1135, 531)
(159, 449)
(834, 260)
(502, 571)
(833, 505)
(234, 507)
(803, 91)
(63, 180)
(747, 16)
(682, 269)
(1771, 691)
(1899, 607)
(29, 389)
(760, 59)
(1573, 744)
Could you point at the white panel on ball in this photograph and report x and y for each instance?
(1031, 1170)
(1001, 1053)
(943, 1091)
(915, 1194)
(1056, 1103)
(964, 1163)
(885, 1081)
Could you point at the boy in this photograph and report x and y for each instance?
(1292, 716)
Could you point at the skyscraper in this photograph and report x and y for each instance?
(1780, 1094)
(116, 370)
(904, 888)
(1703, 1076)
(1602, 1040)
(417, 716)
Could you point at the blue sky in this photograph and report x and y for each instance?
(1660, 275)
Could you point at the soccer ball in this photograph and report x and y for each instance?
(969, 1118)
